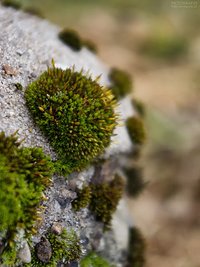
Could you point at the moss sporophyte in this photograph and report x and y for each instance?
(75, 113)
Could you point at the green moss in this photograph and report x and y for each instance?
(9, 256)
(139, 106)
(65, 248)
(136, 130)
(135, 182)
(94, 260)
(121, 83)
(75, 113)
(71, 38)
(136, 250)
(24, 174)
(83, 198)
(105, 198)
(11, 3)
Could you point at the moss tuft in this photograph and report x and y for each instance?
(24, 174)
(105, 198)
(83, 198)
(75, 113)
(136, 130)
(121, 83)
(94, 260)
(136, 250)
(19, 86)
(135, 182)
(65, 248)
(71, 38)
(11, 3)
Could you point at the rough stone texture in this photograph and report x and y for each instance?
(27, 46)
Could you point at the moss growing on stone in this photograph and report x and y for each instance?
(94, 260)
(83, 198)
(11, 3)
(33, 11)
(136, 250)
(121, 83)
(71, 38)
(19, 86)
(135, 182)
(65, 248)
(105, 198)
(75, 113)
(136, 130)
(24, 174)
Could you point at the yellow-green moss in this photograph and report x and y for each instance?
(94, 260)
(136, 130)
(105, 198)
(136, 250)
(75, 113)
(121, 83)
(83, 198)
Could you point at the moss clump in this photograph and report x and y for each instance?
(65, 248)
(136, 250)
(94, 260)
(71, 38)
(24, 174)
(135, 182)
(83, 198)
(121, 83)
(136, 130)
(19, 86)
(105, 198)
(75, 113)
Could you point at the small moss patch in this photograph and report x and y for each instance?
(11, 3)
(83, 198)
(121, 83)
(136, 130)
(75, 113)
(105, 198)
(74, 41)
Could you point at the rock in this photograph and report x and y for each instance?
(24, 253)
(44, 250)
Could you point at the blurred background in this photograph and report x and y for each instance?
(158, 43)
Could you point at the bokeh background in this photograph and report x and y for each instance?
(158, 43)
